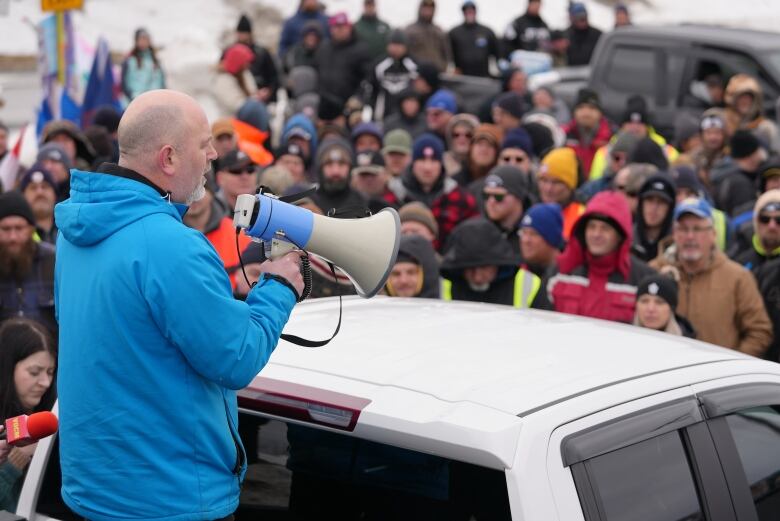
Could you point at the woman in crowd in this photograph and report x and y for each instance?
(656, 303)
(27, 368)
(141, 70)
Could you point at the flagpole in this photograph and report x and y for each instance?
(61, 64)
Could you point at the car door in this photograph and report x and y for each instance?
(743, 417)
(651, 459)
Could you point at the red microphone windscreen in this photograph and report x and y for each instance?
(41, 424)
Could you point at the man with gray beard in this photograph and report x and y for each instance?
(26, 267)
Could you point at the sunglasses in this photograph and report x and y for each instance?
(241, 170)
(513, 159)
(766, 219)
(497, 197)
(618, 157)
(468, 135)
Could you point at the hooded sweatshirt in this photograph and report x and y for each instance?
(599, 287)
(328, 198)
(477, 242)
(644, 247)
(153, 347)
(422, 251)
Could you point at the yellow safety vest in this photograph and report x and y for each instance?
(600, 159)
(526, 287)
(721, 225)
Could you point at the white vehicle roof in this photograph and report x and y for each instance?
(457, 379)
(495, 356)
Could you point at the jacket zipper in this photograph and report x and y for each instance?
(240, 454)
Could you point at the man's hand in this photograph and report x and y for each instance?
(287, 267)
(4, 447)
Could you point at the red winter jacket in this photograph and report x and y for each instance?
(599, 287)
(587, 151)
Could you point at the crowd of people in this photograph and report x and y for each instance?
(526, 202)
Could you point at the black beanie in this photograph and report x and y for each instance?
(14, 203)
(330, 107)
(244, 25)
(648, 151)
(636, 111)
(660, 286)
(430, 74)
(743, 144)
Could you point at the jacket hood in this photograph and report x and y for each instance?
(422, 250)
(477, 242)
(614, 207)
(101, 204)
(301, 122)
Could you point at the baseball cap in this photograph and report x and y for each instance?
(694, 206)
(369, 162)
(234, 160)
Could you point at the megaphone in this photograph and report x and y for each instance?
(365, 249)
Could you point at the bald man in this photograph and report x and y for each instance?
(152, 344)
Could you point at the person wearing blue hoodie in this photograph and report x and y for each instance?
(300, 130)
(292, 30)
(153, 346)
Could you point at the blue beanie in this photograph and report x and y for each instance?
(367, 127)
(442, 99)
(37, 174)
(547, 220)
(519, 138)
(427, 145)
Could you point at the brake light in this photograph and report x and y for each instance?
(302, 403)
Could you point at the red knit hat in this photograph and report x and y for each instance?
(237, 58)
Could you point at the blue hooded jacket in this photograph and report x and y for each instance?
(152, 348)
(300, 122)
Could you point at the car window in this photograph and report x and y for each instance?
(756, 433)
(648, 481)
(632, 70)
(298, 472)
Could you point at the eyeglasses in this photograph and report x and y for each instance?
(468, 135)
(435, 113)
(618, 157)
(241, 170)
(513, 159)
(498, 197)
(693, 230)
(766, 219)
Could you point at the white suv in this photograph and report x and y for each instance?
(422, 409)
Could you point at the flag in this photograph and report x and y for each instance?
(9, 166)
(100, 87)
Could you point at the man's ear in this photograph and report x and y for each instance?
(167, 160)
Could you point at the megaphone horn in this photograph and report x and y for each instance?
(364, 249)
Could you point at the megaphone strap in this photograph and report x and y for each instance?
(303, 342)
(300, 195)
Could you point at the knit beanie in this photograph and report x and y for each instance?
(37, 174)
(13, 203)
(511, 178)
(427, 146)
(547, 220)
(561, 164)
(768, 170)
(54, 152)
(743, 144)
(334, 149)
(648, 151)
(661, 185)
(660, 286)
(493, 133)
(442, 99)
(418, 212)
(512, 103)
(625, 142)
(518, 138)
(244, 25)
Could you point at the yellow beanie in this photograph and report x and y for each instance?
(561, 164)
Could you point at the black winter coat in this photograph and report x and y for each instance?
(342, 66)
(472, 46)
(581, 45)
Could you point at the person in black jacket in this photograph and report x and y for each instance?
(473, 44)
(527, 32)
(415, 273)
(263, 67)
(581, 35)
(334, 164)
(656, 306)
(734, 180)
(479, 264)
(654, 216)
(342, 62)
(391, 75)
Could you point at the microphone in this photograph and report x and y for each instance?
(26, 430)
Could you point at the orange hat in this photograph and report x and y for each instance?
(221, 127)
(492, 133)
(561, 164)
